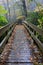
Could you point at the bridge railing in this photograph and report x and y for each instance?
(32, 29)
(5, 33)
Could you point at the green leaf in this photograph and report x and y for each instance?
(2, 10)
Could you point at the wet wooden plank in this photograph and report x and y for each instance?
(19, 64)
(35, 28)
(38, 42)
(20, 51)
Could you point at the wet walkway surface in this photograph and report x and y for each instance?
(20, 52)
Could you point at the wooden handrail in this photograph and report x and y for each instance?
(5, 28)
(8, 28)
(35, 28)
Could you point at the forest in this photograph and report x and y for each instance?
(35, 16)
(15, 16)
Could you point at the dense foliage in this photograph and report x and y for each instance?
(40, 25)
(33, 17)
(37, 19)
(3, 20)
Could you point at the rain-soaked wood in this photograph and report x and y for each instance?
(20, 51)
(38, 42)
(20, 47)
(3, 30)
(35, 28)
(2, 44)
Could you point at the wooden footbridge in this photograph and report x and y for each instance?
(19, 44)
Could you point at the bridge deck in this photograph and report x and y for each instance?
(20, 52)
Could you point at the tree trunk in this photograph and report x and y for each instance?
(24, 7)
